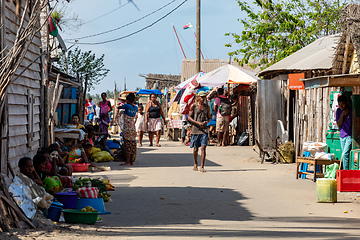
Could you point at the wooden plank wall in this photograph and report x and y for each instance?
(21, 142)
(314, 115)
(243, 113)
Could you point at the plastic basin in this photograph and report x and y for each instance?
(80, 167)
(95, 203)
(75, 216)
(110, 144)
(67, 198)
(54, 211)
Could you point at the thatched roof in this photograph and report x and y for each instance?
(349, 40)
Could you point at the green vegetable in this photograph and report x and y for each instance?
(81, 182)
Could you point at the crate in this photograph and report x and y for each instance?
(348, 180)
(333, 142)
(354, 159)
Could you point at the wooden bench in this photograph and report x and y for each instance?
(313, 162)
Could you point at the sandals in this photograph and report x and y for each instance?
(158, 145)
(202, 170)
(125, 164)
(195, 168)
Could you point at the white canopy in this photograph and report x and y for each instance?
(227, 74)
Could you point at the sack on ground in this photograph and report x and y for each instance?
(330, 170)
(102, 157)
(94, 150)
(243, 139)
(314, 147)
(88, 192)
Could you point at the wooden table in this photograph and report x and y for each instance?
(75, 134)
(313, 162)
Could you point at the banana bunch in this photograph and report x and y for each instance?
(88, 209)
(105, 196)
(109, 186)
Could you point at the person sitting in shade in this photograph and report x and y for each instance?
(343, 121)
(26, 167)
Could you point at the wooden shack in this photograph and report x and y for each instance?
(20, 115)
(304, 112)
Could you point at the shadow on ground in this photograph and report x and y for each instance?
(178, 205)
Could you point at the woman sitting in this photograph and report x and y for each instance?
(27, 168)
(63, 169)
(51, 182)
(76, 122)
(78, 155)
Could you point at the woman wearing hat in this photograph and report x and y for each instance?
(153, 111)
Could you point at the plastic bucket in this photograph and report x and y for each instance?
(67, 198)
(326, 190)
(95, 203)
(55, 211)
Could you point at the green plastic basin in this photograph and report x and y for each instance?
(75, 216)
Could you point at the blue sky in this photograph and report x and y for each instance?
(154, 50)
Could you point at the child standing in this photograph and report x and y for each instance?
(140, 123)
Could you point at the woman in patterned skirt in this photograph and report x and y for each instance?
(129, 130)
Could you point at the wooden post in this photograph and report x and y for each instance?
(346, 53)
(198, 33)
(250, 122)
(82, 110)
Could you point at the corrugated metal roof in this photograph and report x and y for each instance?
(316, 55)
(207, 65)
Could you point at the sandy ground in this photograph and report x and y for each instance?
(161, 197)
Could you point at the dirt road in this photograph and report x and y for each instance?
(161, 197)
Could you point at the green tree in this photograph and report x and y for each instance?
(277, 29)
(84, 65)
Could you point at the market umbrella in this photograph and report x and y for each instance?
(227, 74)
(185, 83)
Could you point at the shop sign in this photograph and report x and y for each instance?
(294, 81)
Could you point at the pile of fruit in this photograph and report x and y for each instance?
(109, 187)
(105, 196)
(88, 209)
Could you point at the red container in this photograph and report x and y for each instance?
(348, 180)
(80, 167)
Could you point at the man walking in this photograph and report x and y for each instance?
(222, 107)
(199, 116)
(343, 121)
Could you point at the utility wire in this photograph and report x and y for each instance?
(142, 29)
(115, 29)
(105, 14)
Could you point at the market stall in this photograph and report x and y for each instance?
(227, 75)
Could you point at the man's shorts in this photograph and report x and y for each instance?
(91, 116)
(222, 124)
(198, 140)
